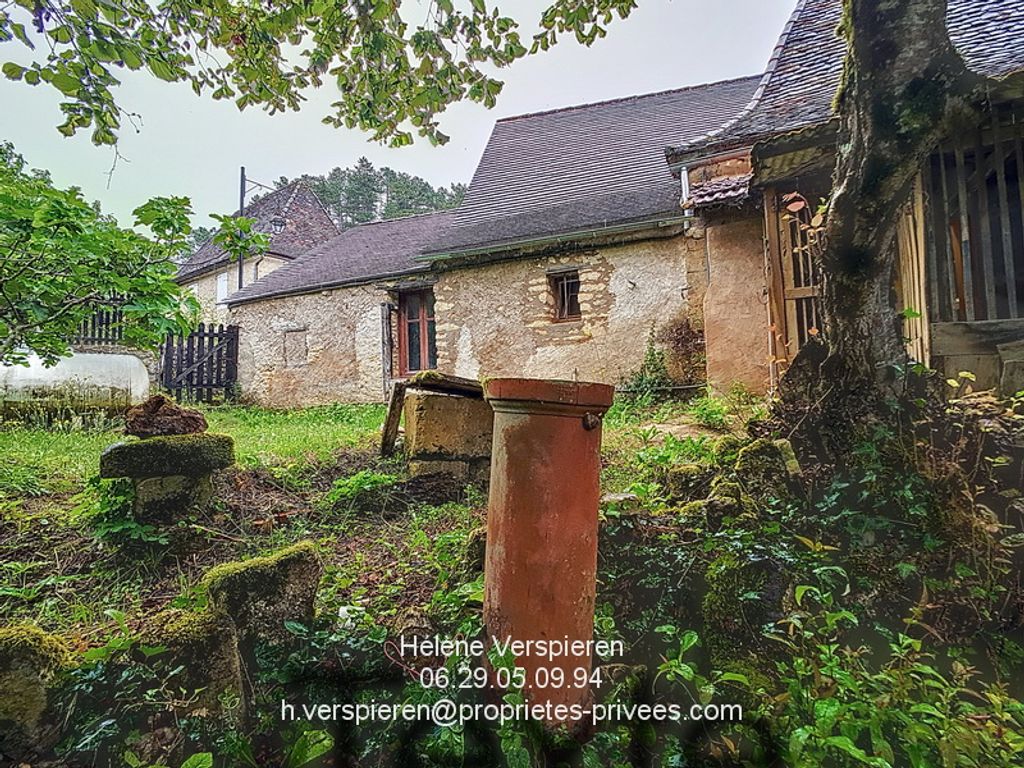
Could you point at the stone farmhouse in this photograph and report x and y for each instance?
(568, 251)
(295, 220)
(577, 241)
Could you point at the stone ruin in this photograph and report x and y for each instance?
(171, 467)
(213, 648)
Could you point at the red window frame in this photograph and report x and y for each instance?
(421, 317)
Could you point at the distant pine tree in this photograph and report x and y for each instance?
(364, 193)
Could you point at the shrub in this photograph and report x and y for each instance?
(652, 379)
(710, 411)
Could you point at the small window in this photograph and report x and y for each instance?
(417, 349)
(222, 287)
(277, 225)
(565, 286)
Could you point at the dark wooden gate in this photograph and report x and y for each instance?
(203, 365)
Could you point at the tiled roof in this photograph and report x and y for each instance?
(556, 173)
(360, 254)
(803, 73)
(727, 190)
(306, 223)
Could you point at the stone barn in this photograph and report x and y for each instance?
(569, 252)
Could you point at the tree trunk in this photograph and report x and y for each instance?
(904, 86)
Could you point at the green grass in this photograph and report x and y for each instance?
(35, 462)
(43, 535)
(273, 437)
(56, 462)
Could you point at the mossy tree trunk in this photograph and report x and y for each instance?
(905, 88)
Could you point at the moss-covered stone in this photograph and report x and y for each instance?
(188, 455)
(693, 513)
(30, 660)
(262, 593)
(726, 450)
(727, 500)
(165, 499)
(762, 469)
(687, 481)
(204, 646)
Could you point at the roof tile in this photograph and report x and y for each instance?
(803, 73)
(306, 223)
(554, 173)
(363, 253)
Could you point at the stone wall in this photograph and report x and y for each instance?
(494, 319)
(311, 349)
(498, 319)
(204, 287)
(735, 311)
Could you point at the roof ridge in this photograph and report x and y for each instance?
(400, 218)
(755, 99)
(623, 99)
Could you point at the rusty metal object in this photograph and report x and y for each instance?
(541, 559)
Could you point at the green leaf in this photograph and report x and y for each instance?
(66, 84)
(688, 640)
(199, 760)
(13, 71)
(309, 746)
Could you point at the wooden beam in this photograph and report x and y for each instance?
(389, 432)
(963, 233)
(434, 381)
(1004, 217)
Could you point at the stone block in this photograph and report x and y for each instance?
(441, 426)
(30, 660)
(262, 593)
(204, 645)
(472, 471)
(160, 415)
(164, 499)
(1012, 379)
(190, 455)
(457, 468)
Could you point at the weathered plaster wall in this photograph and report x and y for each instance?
(312, 349)
(497, 319)
(735, 316)
(205, 286)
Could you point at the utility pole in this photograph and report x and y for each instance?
(241, 212)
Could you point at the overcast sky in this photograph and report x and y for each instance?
(194, 146)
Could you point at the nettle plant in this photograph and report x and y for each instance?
(887, 701)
